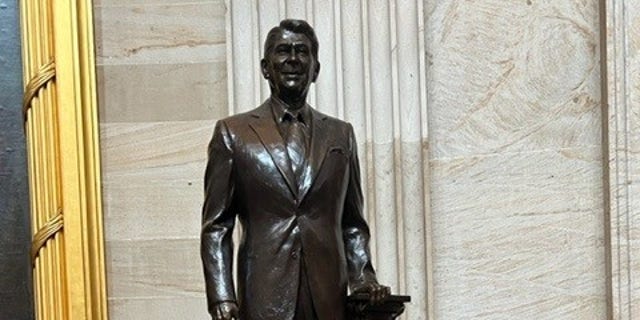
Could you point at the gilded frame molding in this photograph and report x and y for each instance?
(61, 127)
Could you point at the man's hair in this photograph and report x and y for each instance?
(295, 26)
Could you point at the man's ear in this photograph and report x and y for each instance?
(264, 69)
(316, 72)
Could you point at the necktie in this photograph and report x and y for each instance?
(296, 145)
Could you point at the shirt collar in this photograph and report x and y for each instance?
(280, 109)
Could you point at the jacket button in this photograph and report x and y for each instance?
(294, 255)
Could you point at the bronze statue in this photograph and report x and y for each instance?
(291, 176)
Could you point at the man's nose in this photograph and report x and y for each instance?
(293, 55)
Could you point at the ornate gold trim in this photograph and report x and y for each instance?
(80, 163)
(46, 232)
(46, 73)
(61, 129)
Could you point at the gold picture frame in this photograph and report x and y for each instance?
(60, 122)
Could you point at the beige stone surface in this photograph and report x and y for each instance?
(634, 231)
(158, 308)
(162, 83)
(160, 31)
(152, 268)
(153, 182)
(161, 60)
(152, 189)
(515, 139)
(633, 65)
(623, 132)
(162, 92)
(507, 76)
(519, 236)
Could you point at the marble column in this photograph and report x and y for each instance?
(621, 138)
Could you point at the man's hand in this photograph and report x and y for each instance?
(377, 292)
(226, 310)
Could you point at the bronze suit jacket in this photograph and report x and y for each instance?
(248, 176)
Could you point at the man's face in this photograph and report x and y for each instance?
(290, 65)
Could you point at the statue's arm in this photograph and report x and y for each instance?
(354, 227)
(362, 277)
(218, 218)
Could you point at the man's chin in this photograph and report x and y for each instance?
(292, 91)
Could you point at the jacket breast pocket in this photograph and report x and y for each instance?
(337, 151)
(337, 156)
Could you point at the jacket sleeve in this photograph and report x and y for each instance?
(355, 231)
(218, 219)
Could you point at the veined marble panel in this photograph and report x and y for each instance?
(152, 184)
(633, 65)
(162, 267)
(516, 159)
(519, 236)
(634, 150)
(158, 308)
(162, 92)
(510, 76)
(622, 25)
(161, 31)
(162, 82)
(154, 203)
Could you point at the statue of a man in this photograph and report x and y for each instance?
(290, 174)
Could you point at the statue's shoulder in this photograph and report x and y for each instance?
(236, 119)
(243, 118)
(330, 120)
(334, 124)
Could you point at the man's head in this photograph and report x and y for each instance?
(290, 62)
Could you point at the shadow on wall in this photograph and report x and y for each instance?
(15, 269)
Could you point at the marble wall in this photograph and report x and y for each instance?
(162, 84)
(622, 133)
(517, 205)
(489, 166)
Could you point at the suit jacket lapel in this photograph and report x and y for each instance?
(265, 128)
(319, 144)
